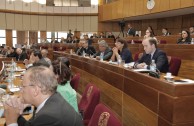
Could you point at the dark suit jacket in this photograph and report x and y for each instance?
(131, 32)
(21, 57)
(107, 54)
(89, 51)
(78, 50)
(13, 54)
(160, 58)
(55, 112)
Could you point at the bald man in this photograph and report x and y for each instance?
(21, 55)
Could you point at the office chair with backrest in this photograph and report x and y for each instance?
(88, 102)
(103, 116)
(174, 65)
(75, 81)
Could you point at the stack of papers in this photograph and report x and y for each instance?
(184, 81)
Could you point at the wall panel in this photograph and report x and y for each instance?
(94, 24)
(57, 23)
(164, 5)
(9, 38)
(126, 4)
(139, 7)
(10, 20)
(65, 23)
(34, 22)
(18, 5)
(50, 23)
(2, 21)
(175, 4)
(18, 22)
(42, 23)
(72, 22)
(80, 23)
(186, 3)
(3, 4)
(87, 23)
(26, 22)
(132, 7)
(34, 7)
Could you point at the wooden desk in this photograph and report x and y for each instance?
(17, 82)
(137, 99)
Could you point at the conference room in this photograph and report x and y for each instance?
(96, 62)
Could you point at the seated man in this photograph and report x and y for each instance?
(105, 49)
(165, 32)
(152, 53)
(44, 53)
(36, 59)
(38, 88)
(21, 55)
(89, 50)
(79, 48)
(191, 30)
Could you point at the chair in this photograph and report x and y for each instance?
(137, 56)
(88, 102)
(174, 65)
(103, 116)
(75, 81)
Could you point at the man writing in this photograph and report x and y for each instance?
(152, 53)
(39, 89)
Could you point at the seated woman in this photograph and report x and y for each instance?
(185, 38)
(149, 34)
(63, 74)
(121, 51)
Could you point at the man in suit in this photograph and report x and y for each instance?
(191, 30)
(79, 49)
(21, 55)
(131, 31)
(105, 49)
(36, 59)
(89, 50)
(152, 53)
(38, 88)
(165, 32)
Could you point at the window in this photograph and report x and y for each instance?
(39, 37)
(2, 37)
(14, 38)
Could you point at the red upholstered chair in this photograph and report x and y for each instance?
(137, 56)
(88, 102)
(163, 42)
(103, 116)
(75, 81)
(174, 65)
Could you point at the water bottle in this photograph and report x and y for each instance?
(84, 54)
(153, 66)
(132, 42)
(119, 60)
(192, 41)
(101, 56)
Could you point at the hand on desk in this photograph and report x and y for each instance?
(13, 109)
(141, 65)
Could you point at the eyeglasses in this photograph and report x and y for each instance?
(23, 86)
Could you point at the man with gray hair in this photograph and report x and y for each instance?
(44, 53)
(38, 88)
(105, 50)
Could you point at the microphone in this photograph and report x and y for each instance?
(92, 52)
(78, 52)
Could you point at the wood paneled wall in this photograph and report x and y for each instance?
(9, 38)
(174, 24)
(33, 37)
(48, 23)
(128, 8)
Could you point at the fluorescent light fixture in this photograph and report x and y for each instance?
(94, 2)
(27, 1)
(41, 1)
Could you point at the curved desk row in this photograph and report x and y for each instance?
(138, 99)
